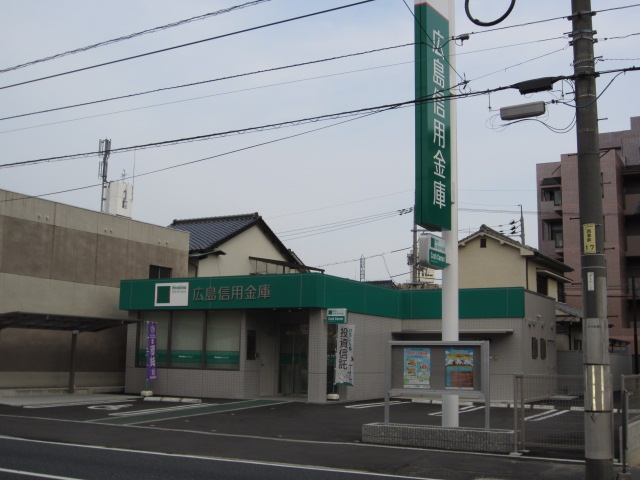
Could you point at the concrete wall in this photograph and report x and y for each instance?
(572, 363)
(64, 260)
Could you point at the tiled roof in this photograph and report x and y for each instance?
(208, 233)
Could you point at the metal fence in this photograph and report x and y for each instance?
(548, 412)
(629, 431)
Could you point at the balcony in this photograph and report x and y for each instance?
(549, 210)
(632, 204)
(633, 246)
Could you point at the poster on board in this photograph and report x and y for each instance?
(459, 368)
(417, 368)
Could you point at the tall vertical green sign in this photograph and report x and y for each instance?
(433, 116)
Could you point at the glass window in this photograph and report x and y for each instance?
(186, 339)
(251, 345)
(223, 340)
(156, 271)
(534, 348)
(543, 348)
(162, 336)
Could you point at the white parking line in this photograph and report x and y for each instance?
(34, 474)
(545, 415)
(371, 405)
(165, 409)
(467, 409)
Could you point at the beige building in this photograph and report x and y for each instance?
(60, 273)
(489, 258)
(236, 245)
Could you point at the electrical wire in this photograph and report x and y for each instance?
(203, 82)
(133, 35)
(365, 258)
(488, 24)
(536, 22)
(189, 44)
(369, 110)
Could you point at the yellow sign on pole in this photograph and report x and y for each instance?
(589, 238)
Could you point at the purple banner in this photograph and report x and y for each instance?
(152, 373)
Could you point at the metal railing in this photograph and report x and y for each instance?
(548, 412)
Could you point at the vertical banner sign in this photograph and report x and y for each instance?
(344, 355)
(433, 116)
(152, 373)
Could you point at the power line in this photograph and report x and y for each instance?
(536, 22)
(175, 47)
(334, 116)
(366, 258)
(133, 35)
(203, 82)
(351, 113)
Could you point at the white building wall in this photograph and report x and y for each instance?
(235, 261)
(372, 335)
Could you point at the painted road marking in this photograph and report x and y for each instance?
(171, 413)
(152, 411)
(371, 405)
(75, 404)
(545, 415)
(467, 409)
(35, 474)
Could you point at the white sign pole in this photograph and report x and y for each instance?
(450, 280)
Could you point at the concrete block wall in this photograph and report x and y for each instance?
(443, 438)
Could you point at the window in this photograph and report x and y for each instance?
(543, 348)
(223, 340)
(561, 295)
(193, 339)
(187, 329)
(534, 348)
(483, 243)
(542, 285)
(554, 196)
(156, 271)
(556, 234)
(251, 345)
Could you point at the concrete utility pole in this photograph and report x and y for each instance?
(598, 415)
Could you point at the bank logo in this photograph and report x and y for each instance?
(172, 295)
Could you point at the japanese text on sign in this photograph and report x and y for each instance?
(227, 293)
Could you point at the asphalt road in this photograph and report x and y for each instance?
(268, 439)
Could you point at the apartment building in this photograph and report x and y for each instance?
(559, 225)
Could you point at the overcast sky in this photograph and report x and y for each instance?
(350, 172)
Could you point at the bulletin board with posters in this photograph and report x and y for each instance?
(438, 368)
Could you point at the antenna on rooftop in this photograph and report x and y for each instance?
(104, 150)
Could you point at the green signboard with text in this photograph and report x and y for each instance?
(432, 118)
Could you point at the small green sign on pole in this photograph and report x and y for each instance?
(432, 251)
(336, 315)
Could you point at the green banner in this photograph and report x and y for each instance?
(433, 134)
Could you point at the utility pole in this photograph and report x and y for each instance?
(598, 414)
(521, 226)
(104, 150)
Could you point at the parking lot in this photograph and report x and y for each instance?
(278, 431)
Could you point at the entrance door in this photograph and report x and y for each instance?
(267, 354)
(294, 357)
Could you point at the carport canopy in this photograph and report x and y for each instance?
(71, 323)
(49, 321)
